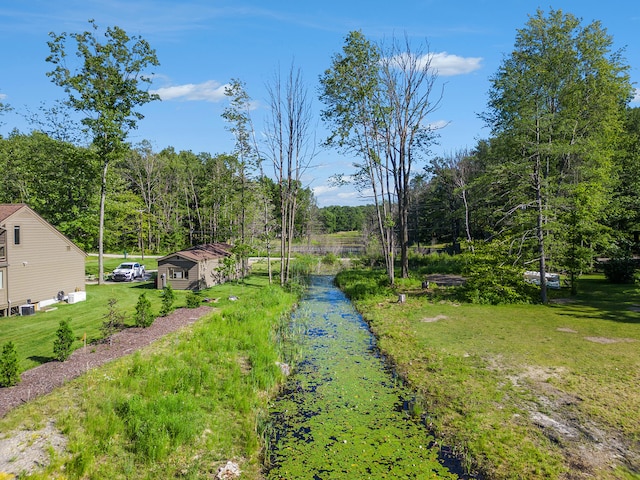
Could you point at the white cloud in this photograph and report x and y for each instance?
(210, 91)
(449, 65)
(636, 96)
(2, 96)
(443, 63)
(323, 190)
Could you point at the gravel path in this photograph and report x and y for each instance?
(44, 378)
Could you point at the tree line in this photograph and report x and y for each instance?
(553, 186)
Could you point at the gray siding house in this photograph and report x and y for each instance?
(37, 262)
(195, 268)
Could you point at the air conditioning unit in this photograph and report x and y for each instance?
(28, 309)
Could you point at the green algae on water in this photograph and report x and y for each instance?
(341, 415)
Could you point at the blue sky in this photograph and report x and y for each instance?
(202, 44)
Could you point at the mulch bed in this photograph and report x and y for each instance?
(44, 378)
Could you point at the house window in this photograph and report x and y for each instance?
(1, 279)
(3, 242)
(178, 274)
(16, 235)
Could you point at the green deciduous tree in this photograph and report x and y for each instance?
(555, 106)
(55, 178)
(624, 214)
(377, 102)
(106, 87)
(349, 91)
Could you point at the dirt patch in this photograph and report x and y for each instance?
(606, 341)
(437, 318)
(586, 447)
(566, 330)
(26, 451)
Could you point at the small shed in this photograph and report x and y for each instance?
(195, 268)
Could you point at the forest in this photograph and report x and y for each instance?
(553, 188)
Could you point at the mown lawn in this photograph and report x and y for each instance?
(34, 335)
(524, 391)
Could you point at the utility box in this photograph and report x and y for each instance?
(75, 297)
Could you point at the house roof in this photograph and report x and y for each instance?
(8, 209)
(205, 251)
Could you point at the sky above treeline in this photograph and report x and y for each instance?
(203, 44)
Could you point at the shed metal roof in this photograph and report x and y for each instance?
(206, 251)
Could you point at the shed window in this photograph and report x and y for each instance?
(178, 273)
(16, 235)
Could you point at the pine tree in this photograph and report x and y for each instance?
(63, 341)
(9, 365)
(144, 315)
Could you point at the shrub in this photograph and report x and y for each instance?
(144, 315)
(168, 297)
(330, 259)
(9, 365)
(492, 278)
(496, 285)
(620, 270)
(359, 284)
(63, 341)
(302, 266)
(193, 300)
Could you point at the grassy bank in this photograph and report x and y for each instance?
(180, 408)
(520, 391)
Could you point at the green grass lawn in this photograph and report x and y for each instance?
(34, 335)
(499, 383)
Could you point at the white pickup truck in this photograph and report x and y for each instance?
(127, 272)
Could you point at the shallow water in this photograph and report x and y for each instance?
(342, 414)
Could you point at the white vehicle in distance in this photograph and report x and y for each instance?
(127, 272)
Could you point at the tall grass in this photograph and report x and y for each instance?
(181, 407)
